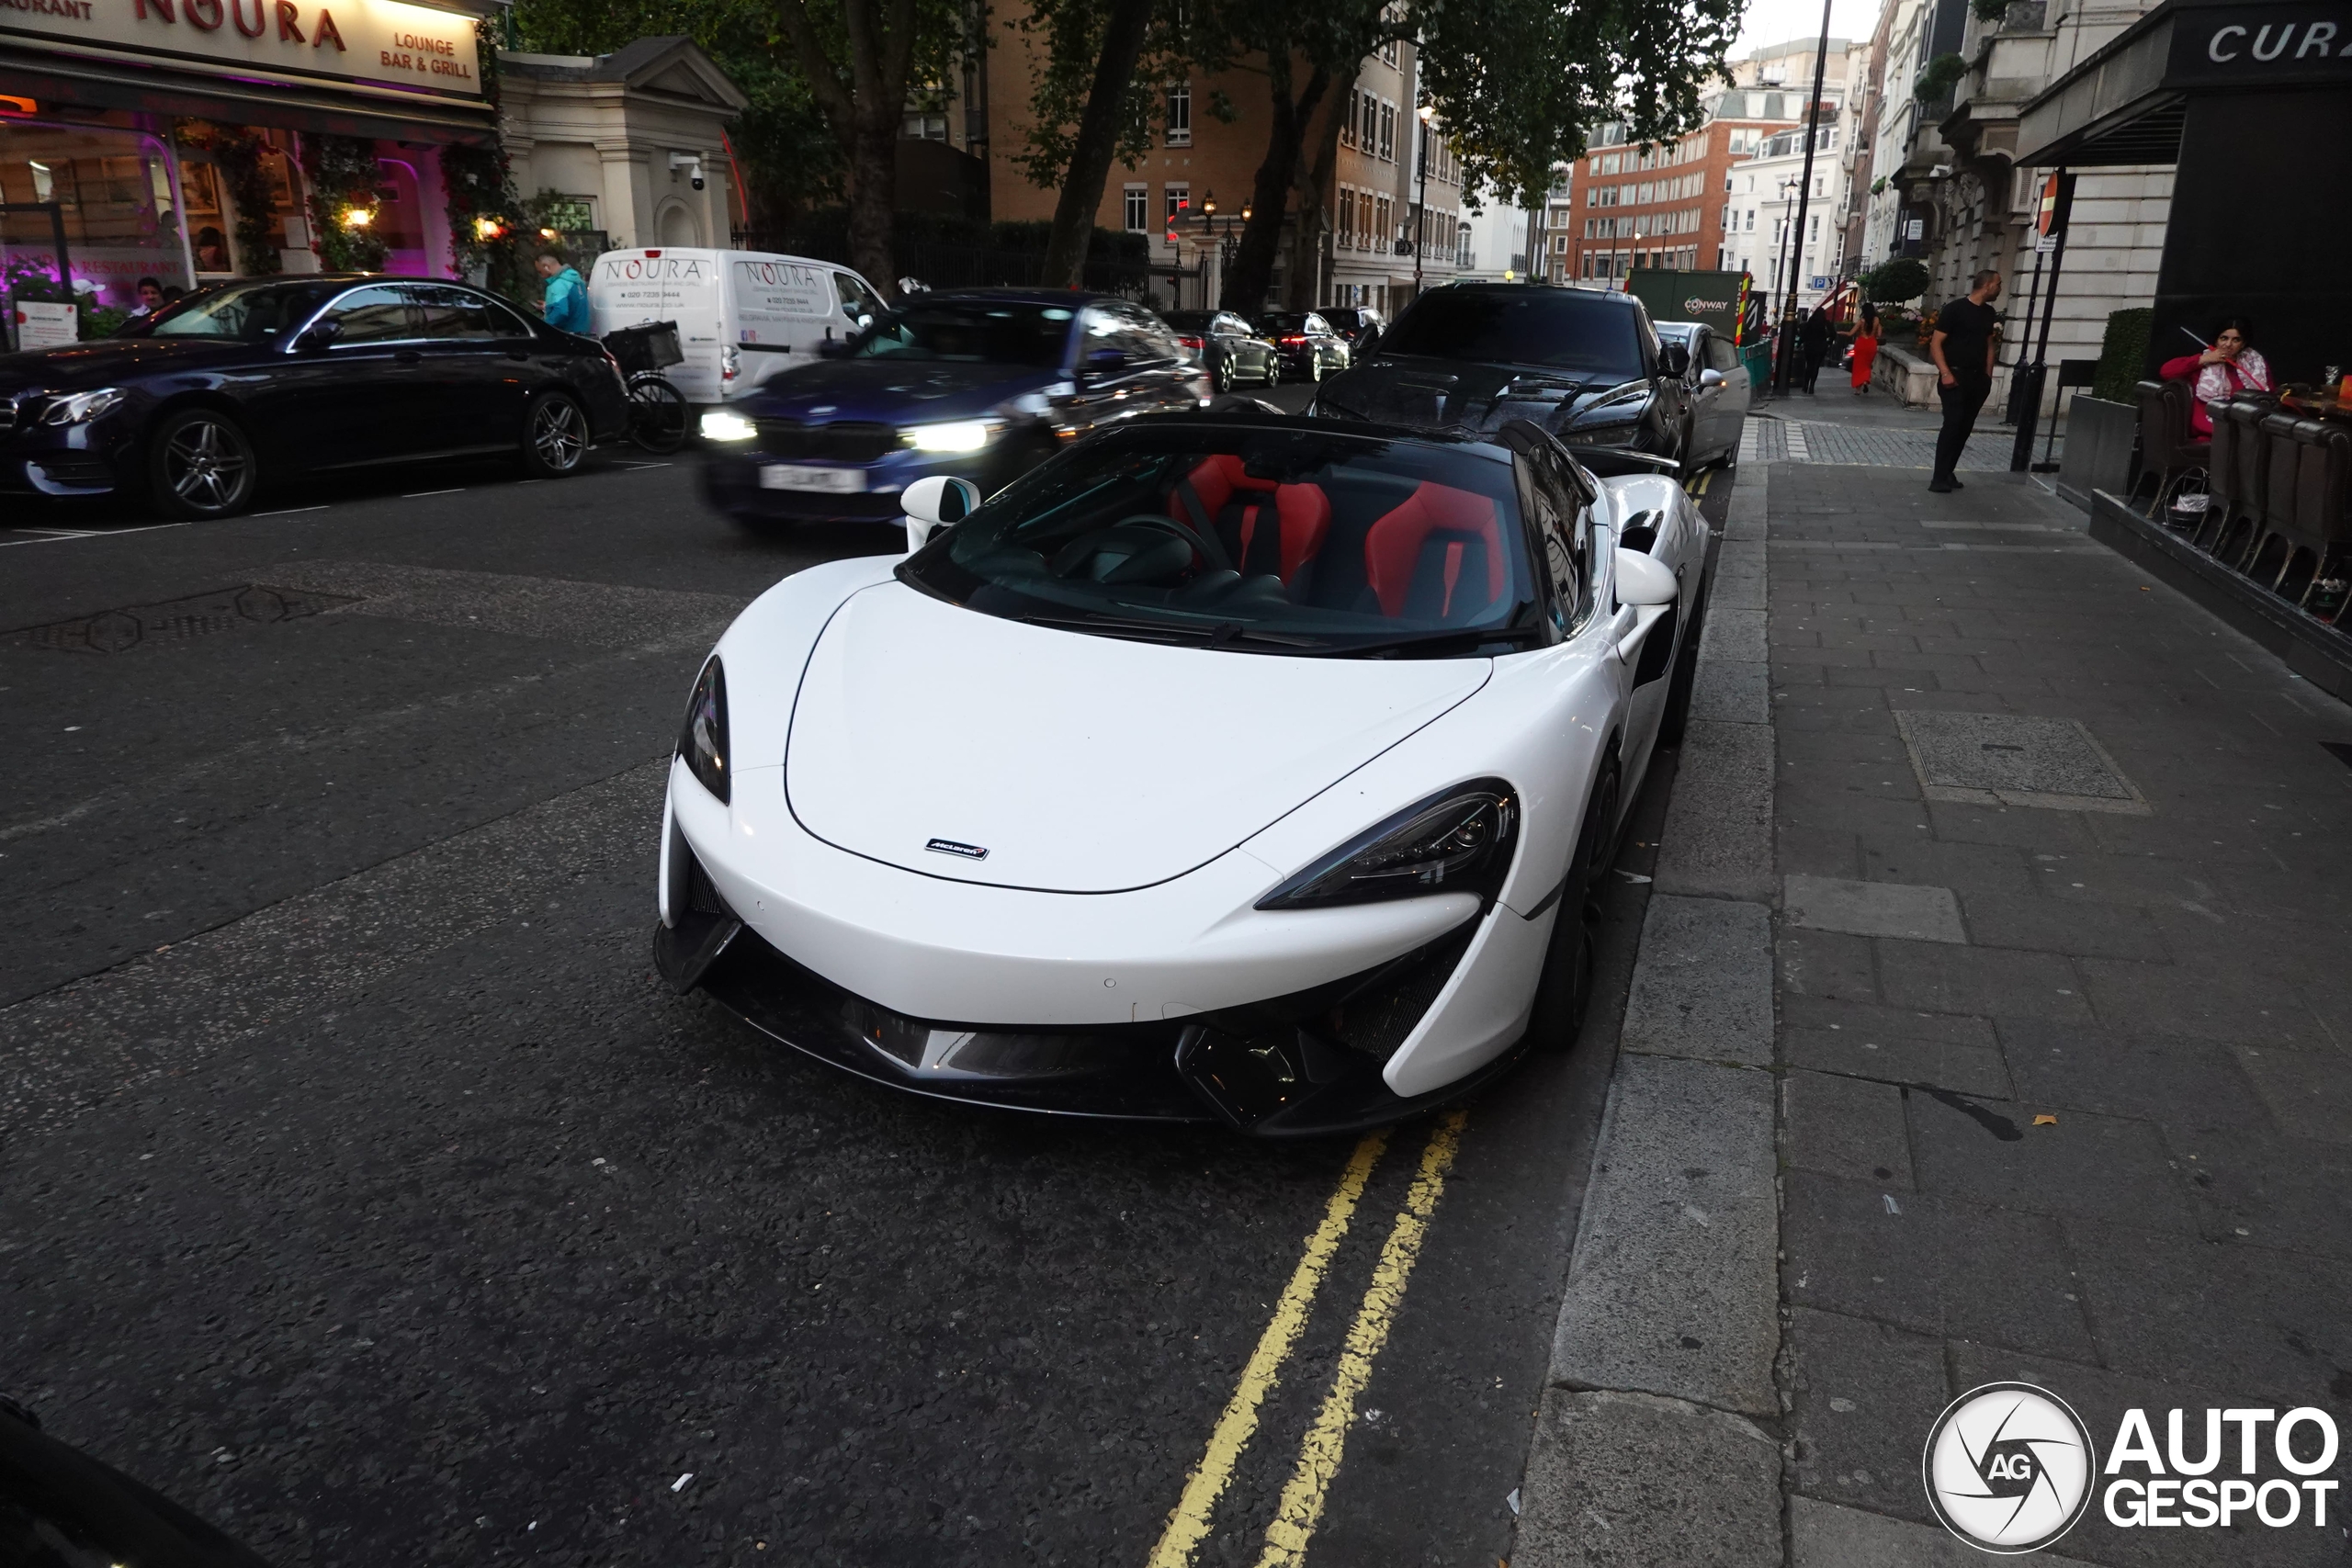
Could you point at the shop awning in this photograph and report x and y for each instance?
(339, 109)
(2126, 102)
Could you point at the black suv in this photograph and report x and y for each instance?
(1585, 365)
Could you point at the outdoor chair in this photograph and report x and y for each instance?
(2249, 476)
(2323, 525)
(2272, 548)
(2167, 453)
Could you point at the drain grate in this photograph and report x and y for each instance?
(1998, 759)
(175, 620)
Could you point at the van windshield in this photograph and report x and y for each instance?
(974, 332)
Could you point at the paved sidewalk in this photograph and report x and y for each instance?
(2064, 1002)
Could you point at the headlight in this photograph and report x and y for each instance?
(720, 425)
(703, 740)
(80, 408)
(1458, 841)
(958, 436)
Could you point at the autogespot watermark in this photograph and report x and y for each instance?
(2010, 1468)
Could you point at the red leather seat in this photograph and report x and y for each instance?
(1437, 557)
(1279, 540)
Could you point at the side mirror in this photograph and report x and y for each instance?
(319, 338)
(937, 503)
(1673, 358)
(832, 348)
(1640, 579)
(1711, 378)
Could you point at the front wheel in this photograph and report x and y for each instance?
(200, 466)
(1273, 373)
(1222, 377)
(1564, 990)
(1315, 370)
(556, 440)
(657, 415)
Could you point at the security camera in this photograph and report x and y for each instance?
(696, 182)
(692, 163)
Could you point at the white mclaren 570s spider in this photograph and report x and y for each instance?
(1224, 767)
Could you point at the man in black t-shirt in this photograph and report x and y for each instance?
(1963, 350)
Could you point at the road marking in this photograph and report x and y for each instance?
(291, 510)
(1327, 1439)
(60, 536)
(1189, 1522)
(414, 494)
(621, 465)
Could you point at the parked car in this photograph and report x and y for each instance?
(1360, 324)
(1423, 674)
(233, 387)
(980, 384)
(742, 316)
(1309, 348)
(1715, 383)
(1227, 347)
(1583, 364)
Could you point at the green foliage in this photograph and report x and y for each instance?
(343, 179)
(1989, 10)
(238, 155)
(1905, 278)
(2123, 353)
(1939, 77)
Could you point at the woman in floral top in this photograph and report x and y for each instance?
(2219, 373)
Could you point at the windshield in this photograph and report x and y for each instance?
(1284, 323)
(1563, 328)
(257, 313)
(976, 331)
(1258, 540)
(1190, 321)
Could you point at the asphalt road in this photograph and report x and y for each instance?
(362, 1188)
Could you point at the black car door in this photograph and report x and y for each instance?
(353, 394)
(475, 371)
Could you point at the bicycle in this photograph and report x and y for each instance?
(657, 410)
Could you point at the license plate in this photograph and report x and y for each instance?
(831, 481)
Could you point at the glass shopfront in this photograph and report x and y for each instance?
(110, 196)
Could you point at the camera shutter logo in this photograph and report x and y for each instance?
(2010, 1468)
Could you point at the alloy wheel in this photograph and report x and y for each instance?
(206, 466)
(558, 435)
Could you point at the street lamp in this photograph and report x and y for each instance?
(1422, 208)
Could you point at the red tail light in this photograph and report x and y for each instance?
(1293, 340)
(1189, 342)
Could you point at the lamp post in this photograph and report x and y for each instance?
(1421, 206)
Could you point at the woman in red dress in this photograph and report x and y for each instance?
(1865, 348)
(2219, 373)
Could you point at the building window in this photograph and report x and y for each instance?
(1382, 212)
(1177, 200)
(1138, 205)
(1368, 122)
(1388, 132)
(1388, 55)
(1180, 115)
(921, 127)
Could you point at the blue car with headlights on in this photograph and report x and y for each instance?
(975, 384)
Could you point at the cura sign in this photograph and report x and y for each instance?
(2261, 43)
(352, 40)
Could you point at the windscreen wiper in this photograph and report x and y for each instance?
(1439, 644)
(1219, 634)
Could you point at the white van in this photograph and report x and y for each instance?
(741, 315)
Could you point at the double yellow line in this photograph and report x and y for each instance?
(1326, 1441)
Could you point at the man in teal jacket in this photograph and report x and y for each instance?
(565, 303)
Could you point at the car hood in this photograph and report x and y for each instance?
(896, 391)
(1078, 763)
(109, 362)
(1459, 394)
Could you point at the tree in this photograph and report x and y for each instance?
(859, 59)
(1512, 83)
(1892, 282)
(1092, 48)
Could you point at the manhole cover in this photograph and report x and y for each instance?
(112, 631)
(1998, 759)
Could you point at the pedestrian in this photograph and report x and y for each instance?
(150, 297)
(1961, 346)
(1865, 350)
(212, 250)
(565, 301)
(2220, 372)
(1813, 341)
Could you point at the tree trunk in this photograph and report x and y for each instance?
(1303, 289)
(1098, 135)
(874, 201)
(1253, 262)
(864, 111)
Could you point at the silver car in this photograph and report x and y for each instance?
(1716, 383)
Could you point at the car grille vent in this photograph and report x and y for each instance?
(701, 896)
(1376, 1019)
(843, 441)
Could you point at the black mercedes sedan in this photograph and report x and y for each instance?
(1310, 350)
(1226, 346)
(1583, 364)
(199, 405)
